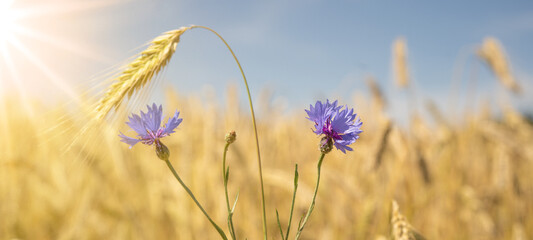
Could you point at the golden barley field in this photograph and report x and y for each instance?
(63, 176)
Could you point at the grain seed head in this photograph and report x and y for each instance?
(401, 229)
(139, 72)
(493, 54)
(401, 71)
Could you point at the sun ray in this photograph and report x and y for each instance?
(62, 44)
(45, 9)
(53, 77)
(15, 79)
(7, 21)
(16, 18)
(5, 143)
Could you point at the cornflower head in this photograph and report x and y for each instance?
(338, 126)
(149, 129)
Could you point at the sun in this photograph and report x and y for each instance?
(7, 20)
(37, 35)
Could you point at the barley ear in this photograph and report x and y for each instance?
(378, 98)
(401, 229)
(493, 54)
(139, 72)
(401, 70)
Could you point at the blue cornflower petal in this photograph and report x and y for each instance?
(172, 123)
(136, 123)
(342, 121)
(345, 140)
(148, 126)
(356, 127)
(157, 116)
(320, 113)
(128, 140)
(339, 126)
(342, 147)
(152, 118)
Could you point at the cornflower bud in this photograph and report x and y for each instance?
(231, 137)
(162, 151)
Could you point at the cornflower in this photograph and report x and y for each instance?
(338, 126)
(149, 129)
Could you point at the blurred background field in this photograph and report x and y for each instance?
(446, 111)
(463, 181)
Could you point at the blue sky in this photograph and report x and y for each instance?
(305, 50)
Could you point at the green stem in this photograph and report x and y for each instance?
(312, 206)
(255, 128)
(293, 200)
(222, 234)
(225, 175)
(279, 226)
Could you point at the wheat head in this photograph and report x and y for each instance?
(399, 52)
(401, 229)
(377, 95)
(493, 54)
(139, 72)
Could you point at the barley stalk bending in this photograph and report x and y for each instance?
(260, 168)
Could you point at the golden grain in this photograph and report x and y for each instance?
(123, 193)
(401, 70)
(480, 187)
(139, 72)
(493, 54)
(377, 95)
(401, 229)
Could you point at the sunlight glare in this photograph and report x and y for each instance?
(26, 41)
(6, 20)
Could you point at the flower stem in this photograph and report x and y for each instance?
(219, 230)
(255, 128)
(312, 206)
(293, 200)
(225, 174)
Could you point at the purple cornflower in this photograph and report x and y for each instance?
(149, 129)
(339, 126)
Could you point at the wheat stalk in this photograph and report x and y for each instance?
(139, 72)
(493, 54)
(399, 52)
(383, 143)
(377, 95)
(401, 229)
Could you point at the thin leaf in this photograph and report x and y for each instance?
(279, 225)
(226, 177)
(296, 177)
(235, 203)
(293, 200)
